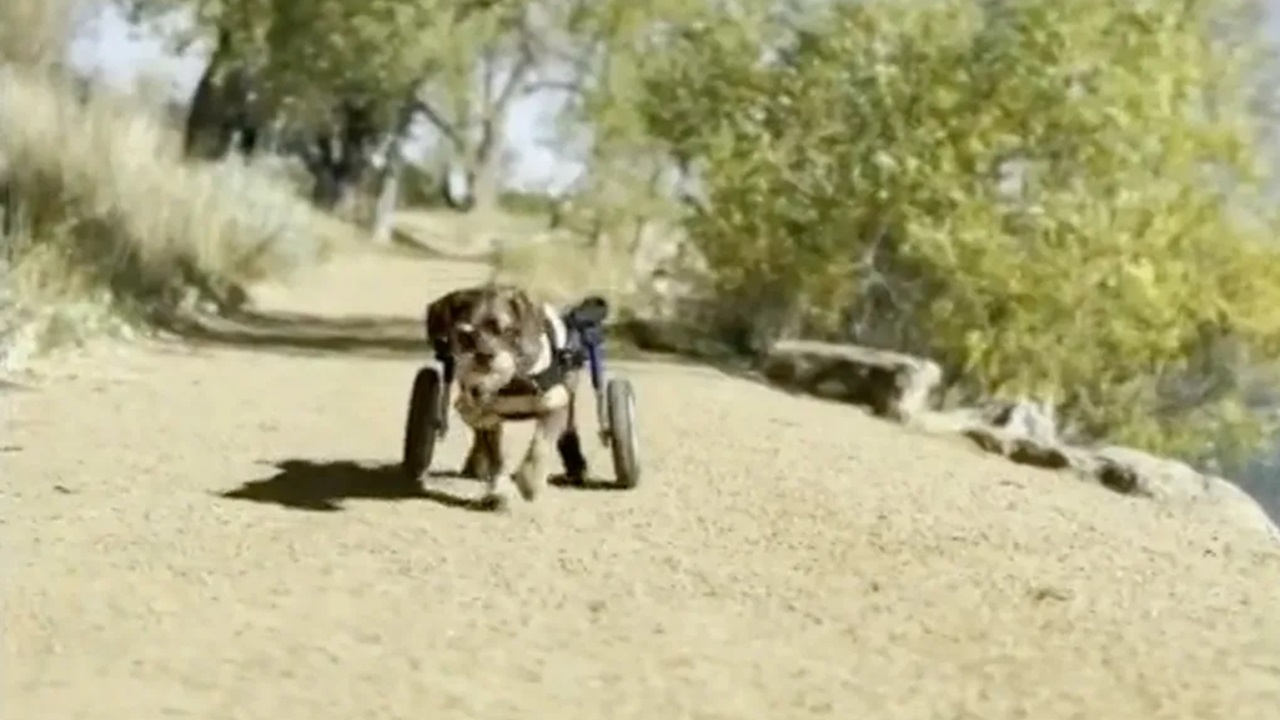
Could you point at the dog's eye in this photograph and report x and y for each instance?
(466, 340)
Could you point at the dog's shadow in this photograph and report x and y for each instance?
(322, 486)
(589, 484)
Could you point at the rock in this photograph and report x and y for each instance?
(665, 336)
(1025, 432)
(892, 385)
(1027, 418)
(1240, 508)
(948, 422)
(1134, 472)
(1019, 448)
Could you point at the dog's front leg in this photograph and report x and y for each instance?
(484, 459)
(484, 462)
(534, 470)
(570, 448)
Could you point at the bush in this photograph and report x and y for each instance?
(563, 268)
(35, 33)
(103, 193)
(1055, 199)
(420, 188)
(100, 213)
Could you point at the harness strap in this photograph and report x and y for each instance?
(563, 359)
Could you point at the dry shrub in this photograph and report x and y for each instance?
(35, 33)
(106, 185)
(562, 269)
(102, 215)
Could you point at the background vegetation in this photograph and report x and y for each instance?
(103, 219)
(1062, 200)
(1070, 201)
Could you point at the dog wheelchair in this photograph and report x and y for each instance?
(428, 417)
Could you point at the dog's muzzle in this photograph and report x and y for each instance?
(482, 374)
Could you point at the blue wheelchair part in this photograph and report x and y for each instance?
(585, 325)
(595, 363)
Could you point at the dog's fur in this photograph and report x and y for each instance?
(496, 337)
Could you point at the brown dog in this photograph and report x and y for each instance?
(505, 350)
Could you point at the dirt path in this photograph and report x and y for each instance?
(213, 532)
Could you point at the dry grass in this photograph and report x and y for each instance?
(105, 215)
(34, 33)
(564, 269)
(107, 186)
(636, 275)
(473, 233)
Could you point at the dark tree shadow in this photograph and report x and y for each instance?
(323, 486)
(7, 386)
(303, 334)
(590, 484)
(409, 245)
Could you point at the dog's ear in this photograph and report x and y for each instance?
(443, 312)
(527, 319)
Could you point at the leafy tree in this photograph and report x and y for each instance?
(1058, 199)
(458, 64)
(596, 71)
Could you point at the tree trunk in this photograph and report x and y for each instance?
(384, 209)
(333, 189)
(483, 186)
(205, 134)
(11, 220)
(222, 107)
(453, 202)
(483, 183)
(332, 186)
(341, 157)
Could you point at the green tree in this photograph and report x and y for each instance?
(458, 64)
(624, 183)
(1058, 199)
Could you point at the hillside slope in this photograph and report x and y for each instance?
(212, 530)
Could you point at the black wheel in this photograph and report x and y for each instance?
(421, 427)
(623, 442)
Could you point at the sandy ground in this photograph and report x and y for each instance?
(213, 530)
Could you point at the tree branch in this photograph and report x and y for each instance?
(435, 118)
(514, 81)
(519, 72)
(571, 87)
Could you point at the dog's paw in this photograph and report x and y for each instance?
(495, 502)
(527, 483)
(474, 467)
(571, 479)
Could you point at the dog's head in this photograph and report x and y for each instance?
(493, 333)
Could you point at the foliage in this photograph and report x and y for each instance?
(1057, 199)
(33, 33)
(104, 196)
(420, 188)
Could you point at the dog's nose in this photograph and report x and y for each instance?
(483, 357)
